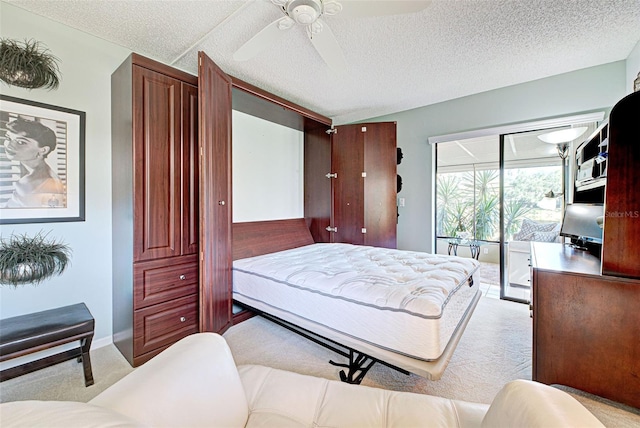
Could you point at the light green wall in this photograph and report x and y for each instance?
(587, 90)
(633, 66)
(86, 64)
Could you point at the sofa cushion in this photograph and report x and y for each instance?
(63, 414)
(285, 399)
(524, 403)
(544, 236)
(193, 383)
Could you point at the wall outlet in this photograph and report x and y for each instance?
(485, 251)
(401, 202)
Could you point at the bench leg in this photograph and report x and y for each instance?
(86, 360)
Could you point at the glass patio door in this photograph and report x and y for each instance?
(505, 191)
(468, 204)
(532, 197)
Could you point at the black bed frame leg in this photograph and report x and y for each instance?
(358, 362)
(359, 365)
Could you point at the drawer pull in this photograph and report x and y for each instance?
(183, 277)
(182, 319)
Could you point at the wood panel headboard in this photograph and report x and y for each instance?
(255, 238)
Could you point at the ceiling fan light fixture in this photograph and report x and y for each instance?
(304, 12)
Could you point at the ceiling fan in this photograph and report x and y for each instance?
(310, 14)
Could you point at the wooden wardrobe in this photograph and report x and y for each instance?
(154, 207)
(166, 284)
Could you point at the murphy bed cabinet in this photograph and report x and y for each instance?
(171, 190)
(171, 181)
(155, 207)
(336, 192)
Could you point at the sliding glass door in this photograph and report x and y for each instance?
(468, 203)
(531, 170)
(495, 195)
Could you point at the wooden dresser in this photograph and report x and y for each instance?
(586, 326)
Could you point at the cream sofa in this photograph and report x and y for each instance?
(195, 383)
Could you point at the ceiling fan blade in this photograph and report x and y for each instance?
(359, 8)
(268, 36)
(328, 48)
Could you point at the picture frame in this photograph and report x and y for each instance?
(42, 162)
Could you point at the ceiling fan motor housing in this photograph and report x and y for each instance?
(304, 11)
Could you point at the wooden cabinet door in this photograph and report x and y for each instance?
(622, 198)
(214, 99)
(156, 128)
(347, 160)
(190, 170)
(364, 193)
(380, 184)
(317, 186)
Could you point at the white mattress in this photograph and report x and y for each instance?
(404, 301)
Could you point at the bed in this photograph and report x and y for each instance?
(402, 308)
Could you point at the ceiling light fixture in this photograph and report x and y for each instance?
(563, 135)
(562, 138)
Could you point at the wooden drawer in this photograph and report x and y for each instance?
(164, 280)
(163, 324)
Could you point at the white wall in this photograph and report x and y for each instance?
(86, 64)
(587, 90)
(268, 170)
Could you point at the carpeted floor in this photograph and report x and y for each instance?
(495, 348)
(65, 381)
(490, 273)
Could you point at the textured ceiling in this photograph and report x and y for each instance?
(451, 49)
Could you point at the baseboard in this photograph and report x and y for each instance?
(102, 342)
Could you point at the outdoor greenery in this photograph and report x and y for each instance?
(469, 202)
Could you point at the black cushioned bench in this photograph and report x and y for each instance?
(34, 332)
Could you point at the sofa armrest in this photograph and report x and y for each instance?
(193, 383)
(68, 414)
(524, 403)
